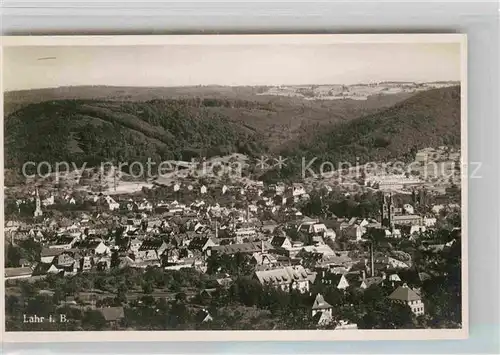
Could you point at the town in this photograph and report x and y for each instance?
(202, 253)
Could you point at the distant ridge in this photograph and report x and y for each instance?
(429, 119)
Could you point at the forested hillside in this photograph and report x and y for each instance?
(93, 131)
(428, 119)
(237, 120)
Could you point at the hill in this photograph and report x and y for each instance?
(94, 131)
(427, 119)
(126, 124)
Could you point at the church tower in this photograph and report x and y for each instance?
(386, 210)
(38, 208)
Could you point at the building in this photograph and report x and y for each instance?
(111, 203)
(244, 248)
(339, 281)
(38, 205)
(14, 273)
(201, 244)
(112, 315)
(281, 242)
(322, 310)
(414, 220)
(406, 295)
(287, 278)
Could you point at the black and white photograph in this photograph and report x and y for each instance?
(172, 186)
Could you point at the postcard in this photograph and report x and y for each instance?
(234, 187)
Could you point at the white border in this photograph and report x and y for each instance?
(287, 335)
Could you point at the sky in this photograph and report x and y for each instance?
(31, 67)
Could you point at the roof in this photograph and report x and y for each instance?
(112, 313)
(54, 251)
(321, 249)
(406, 216)
(250, 248)
(151, 244)
(17, 271)
(198, 243)
(335, 278)
(404, 293)
(88, 244)
(259, 257)
(286, 274)
(278, 241)
(375, 280)
(320, 303)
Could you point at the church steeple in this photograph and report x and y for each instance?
(387, 210)
(38, 208)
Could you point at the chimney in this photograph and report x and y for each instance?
(262, 246)
(216, 230)
(372, 261)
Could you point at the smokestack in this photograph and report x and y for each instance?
(216, 230)
(372, 261)
(262, 246)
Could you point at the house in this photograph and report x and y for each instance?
(260, 258)
(269, 226)
(243, 233)
(245, 248)
(286, 278)
(63, 242)
(47, 255)
(408, 209)
(64, 259)
(86, 263)
(322, 310)
(43, 269)
(145, 205)
(203, 316)
(354, 232)
(134, 245)
(339, 281)
(110, 203)
(406, 295)
(407, 220)
(94, 246)
(49, 201)
(151, 250)
(112, 315)
(322, 249)
(298, 190)
(366, 282)
(314, 229)
(430, 221)
(397, 264)
(201, 244)
(340, 259)
(394, 278)
(15, 273)
(281, 242)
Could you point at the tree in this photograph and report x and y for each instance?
(147, 288)
(93, 320)
(115, 259)
(13, 256)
